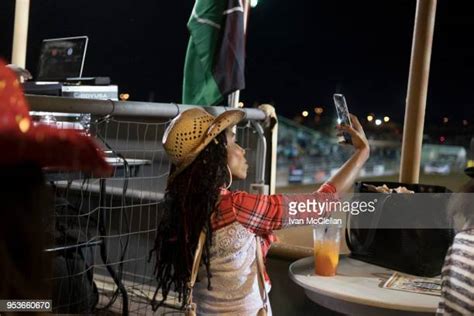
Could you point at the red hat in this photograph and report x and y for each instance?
(21, 141)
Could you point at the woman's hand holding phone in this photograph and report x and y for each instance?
(350, 132)
(344, 178)
(359, 140)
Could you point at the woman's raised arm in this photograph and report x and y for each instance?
(344, 178)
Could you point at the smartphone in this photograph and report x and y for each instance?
(343, 117)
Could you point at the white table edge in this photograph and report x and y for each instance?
(360, 301)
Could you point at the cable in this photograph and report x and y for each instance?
(115, 277)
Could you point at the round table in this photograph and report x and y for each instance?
(357, 290)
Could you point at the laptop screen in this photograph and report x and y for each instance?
(62, 58)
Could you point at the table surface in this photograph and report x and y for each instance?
(360, 283)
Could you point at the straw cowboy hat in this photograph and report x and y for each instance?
(22, 141)
(191, 131)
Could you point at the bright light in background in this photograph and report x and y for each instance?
(442, 139)
(386, 119)
(253, 3)
(445, 120)
(370, 118)
(124, 96)
(318, 110)
(241, 104)
(305, 113)
(464, 122)
(378, 122)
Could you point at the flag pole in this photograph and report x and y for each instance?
(233, 100)
(20, 32)
(234, 97)
(417, 91)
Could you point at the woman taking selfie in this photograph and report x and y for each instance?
(205, 159)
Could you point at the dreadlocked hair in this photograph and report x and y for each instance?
(189, 201)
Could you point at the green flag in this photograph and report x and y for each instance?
(214, 65)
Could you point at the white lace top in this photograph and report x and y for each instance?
(234, 282)
(241, 215)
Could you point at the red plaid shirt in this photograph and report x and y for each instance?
(260, 214)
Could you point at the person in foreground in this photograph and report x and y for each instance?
(457, 275)
(205, 159)
(26, 200)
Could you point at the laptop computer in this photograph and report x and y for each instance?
(62, 59)
(60, 68)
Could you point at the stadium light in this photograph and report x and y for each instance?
(370, 118)
(386, 119)
(378, 122)
(318, 110)
(305, 113)
(253, 3)
(445, 120)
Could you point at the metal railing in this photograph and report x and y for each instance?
(123, 108)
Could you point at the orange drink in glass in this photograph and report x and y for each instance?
(326, 238)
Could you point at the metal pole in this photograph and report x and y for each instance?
(417, 91)
(233, 99)
(273, 158)
(263, 152)
(20, 33)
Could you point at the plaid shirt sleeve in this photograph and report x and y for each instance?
(261, 214)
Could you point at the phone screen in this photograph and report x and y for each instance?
(343, 117)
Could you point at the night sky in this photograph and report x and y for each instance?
(299, 52)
